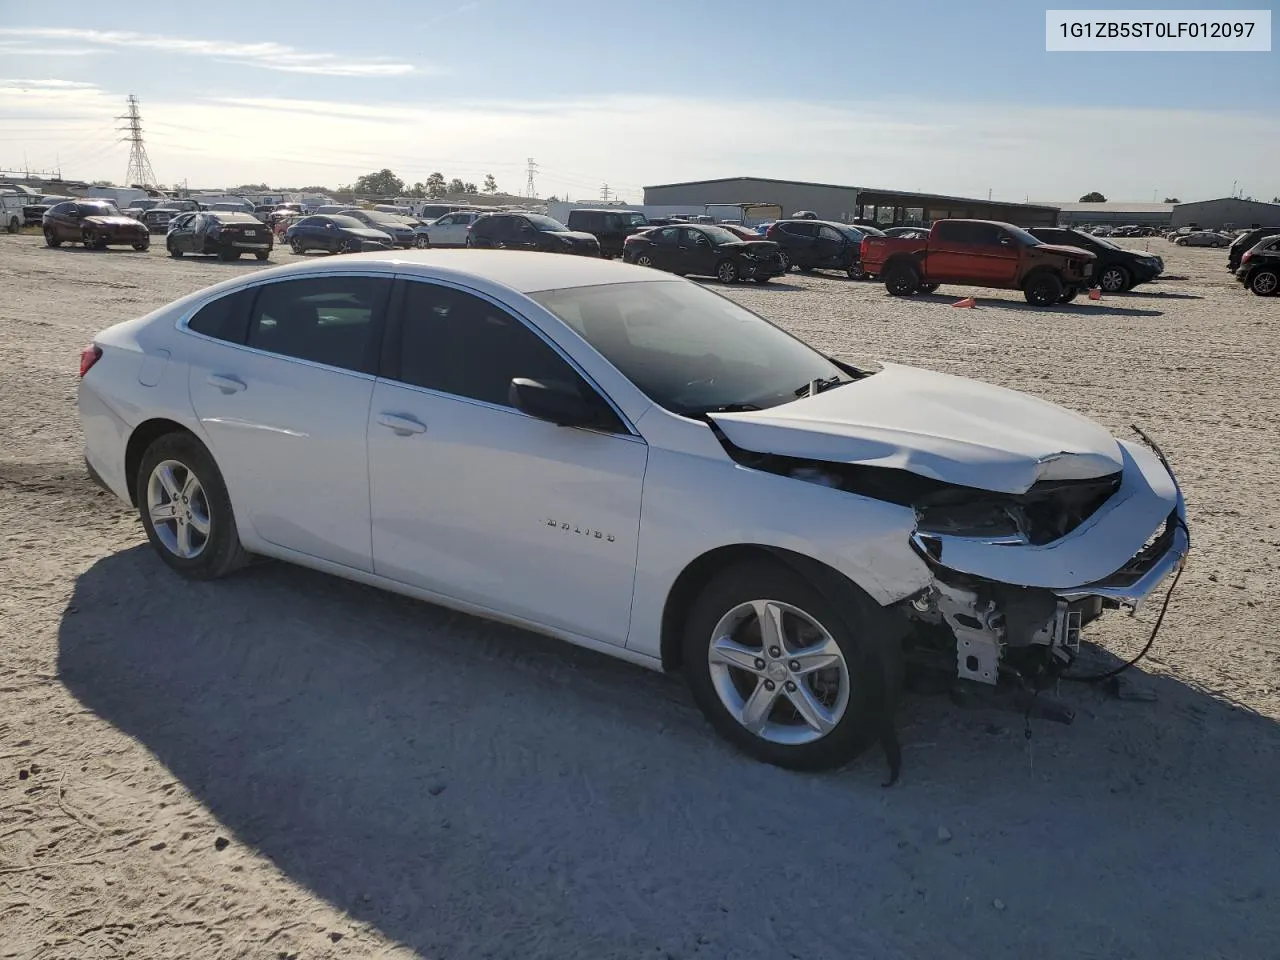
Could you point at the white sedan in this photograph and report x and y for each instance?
(631, 462)
(1204, 238)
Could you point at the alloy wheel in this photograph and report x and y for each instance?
(1265, 283)
(644, 260)
(178, 509)
(778, 672)
(1112, 280)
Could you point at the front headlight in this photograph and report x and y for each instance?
(974, 519)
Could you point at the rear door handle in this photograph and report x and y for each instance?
(403, 426)
(225, 383)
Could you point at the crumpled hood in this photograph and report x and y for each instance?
(120, 221)
(1078, 252)
(949, 428)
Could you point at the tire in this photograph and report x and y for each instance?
(88, 240)
(1069, 294)
(1043, 289)
(1115, 279)
(229, 255)
(351, 246)
(422, 243)
(51, 239)
(14, 225)
(928, 287)
(211, 554)
(296, 246)
(142, 247)
(727, 271)
(901, 280)
(644, 260)
(786, 261)
(262, 254)
(173, 251)
(857, 693)
(1265, 282)
(855, 272)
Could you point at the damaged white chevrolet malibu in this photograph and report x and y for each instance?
(628, 461)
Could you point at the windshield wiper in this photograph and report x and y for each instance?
(814, 387)
(732, 408)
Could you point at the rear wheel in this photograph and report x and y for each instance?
(901, 280)
(13, 226)
(1042, 289)
(1265, 283)
(51, 238)
(143, 246)
(185, 510)
(422, 242)
(727, 272)
(644, 260)
(855, 272)
(262, 254)
(786, 261)
(784, 673)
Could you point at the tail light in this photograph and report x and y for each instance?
(862, 249)
(1247, 257)
(772, 228)
(88, 357)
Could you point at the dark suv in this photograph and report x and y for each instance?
(820, 245)
(1245, 242)
(1116, 269)
(529, 231)
(1260, 267)
(610, 227)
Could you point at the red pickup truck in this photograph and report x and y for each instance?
(980, 253)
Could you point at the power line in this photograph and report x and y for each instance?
(139, 171)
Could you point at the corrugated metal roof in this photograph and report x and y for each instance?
(942, 197)
(1115, 206)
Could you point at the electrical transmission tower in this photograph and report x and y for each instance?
(140, 172)
(604, 193)
(531, 171)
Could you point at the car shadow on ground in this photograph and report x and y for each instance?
(1081, 304)
(1157, 295)
(470, 789)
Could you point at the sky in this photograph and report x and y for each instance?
(945, 97)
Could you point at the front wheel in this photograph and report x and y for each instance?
(786, 261)
(51, 238)
(727, 272)
(901, 280)
(1069, 294)
(1043, 289)
(14, 226)
(296, 247)
(422, 243)
(185, 509)
(855, 272)
(142, 247)
(1265, 283)
(1114, 279)
(783, 673)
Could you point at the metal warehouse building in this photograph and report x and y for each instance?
(834, 202)
(1226, 213)
(1117, 213)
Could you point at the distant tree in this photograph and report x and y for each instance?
(103, 183)
(1093, 197)
(1275, 199)
(456, 186)
(313, 189)
(490, 184)
(553, 199)
(417, 191)
(251, 188)
(1172, 200)
(470, 187)
(384, 183)
(435, 185)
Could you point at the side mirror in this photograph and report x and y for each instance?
(553, 401)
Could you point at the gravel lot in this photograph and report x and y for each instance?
(287, 765)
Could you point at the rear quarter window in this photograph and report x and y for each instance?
(226, 318)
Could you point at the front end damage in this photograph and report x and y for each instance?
(1017, 577)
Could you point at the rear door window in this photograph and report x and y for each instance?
(336, 321)
(226, 318)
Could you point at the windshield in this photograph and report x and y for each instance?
(690, 350)
(1100, 241)
(635, 219)
(99, 209)
(351, 223)
(546, 224)
(857, 233)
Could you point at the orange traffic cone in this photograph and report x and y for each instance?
(966, 302)
(1095, 293)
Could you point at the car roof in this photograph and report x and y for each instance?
(524, 272)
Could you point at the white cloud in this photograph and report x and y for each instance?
(266, 55)
(1054, 153)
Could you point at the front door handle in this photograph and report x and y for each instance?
(225, 383)
(401, 425)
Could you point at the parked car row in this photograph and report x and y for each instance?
(224, 234)
(1259, 268)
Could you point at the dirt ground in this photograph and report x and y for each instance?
(287, 765)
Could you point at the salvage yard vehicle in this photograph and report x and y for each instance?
(447, 231)
(610, 227)
(1204, 238)
(224, 235)
(1259, 268)
(811, 244)
(705, 251)
(1246, 242)
(628, 461)
(529, 231)
(95, 223)
(400, 230)
(334, 234)
(1116, 269)
(157, 219)
(980, 253)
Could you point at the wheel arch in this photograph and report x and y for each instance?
(694, 578)
(142, 437)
